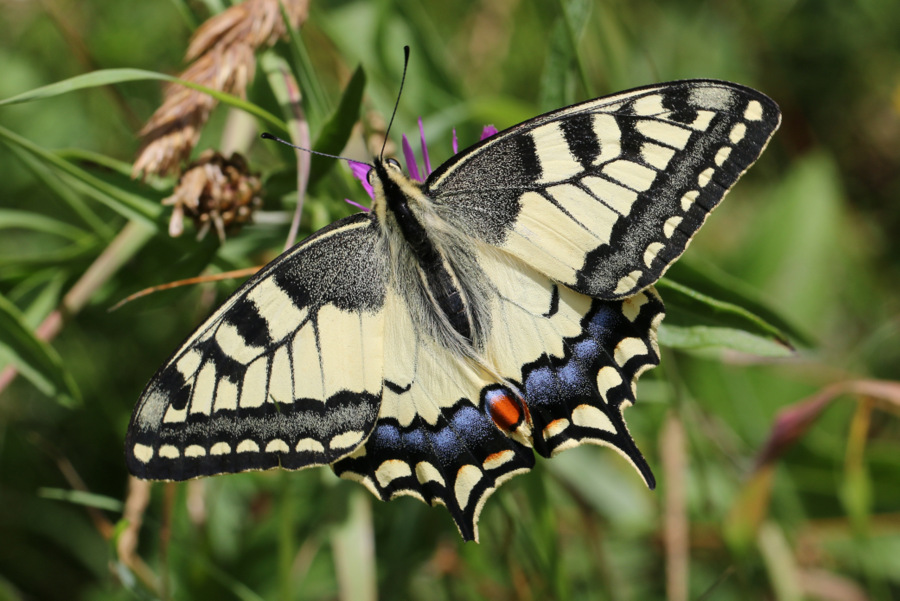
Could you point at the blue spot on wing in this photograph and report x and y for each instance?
(464, 435)
(555, 386)
(388, 436)
(415, 439)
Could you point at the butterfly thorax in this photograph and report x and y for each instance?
(406, 216)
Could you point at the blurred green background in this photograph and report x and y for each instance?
(806, 245)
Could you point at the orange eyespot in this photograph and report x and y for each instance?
(504, 409)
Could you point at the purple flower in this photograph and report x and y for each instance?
(487, 132)
(361, 170)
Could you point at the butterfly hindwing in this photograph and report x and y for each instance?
(575, 359)
(580, 397)
(432, 441)
(451, 431)
(287, 373)
(603, 196)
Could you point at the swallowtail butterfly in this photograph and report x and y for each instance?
(504, 306)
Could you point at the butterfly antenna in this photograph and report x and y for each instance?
(267, 136)
(396, 104)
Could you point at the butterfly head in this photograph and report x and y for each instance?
(382, 169)
(393, 190)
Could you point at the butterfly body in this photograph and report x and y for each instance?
(503, 306)
(402, 211)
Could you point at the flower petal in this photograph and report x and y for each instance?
(455, 143)
(357, 205)
(411, 165)
(425, 158)
(361, 172)
(488, 131)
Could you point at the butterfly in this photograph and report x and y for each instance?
(504, 306)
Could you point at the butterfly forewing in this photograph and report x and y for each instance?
(603, 196)
(287, 373)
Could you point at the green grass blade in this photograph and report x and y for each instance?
(716, 283)
(44, 289)
(112, 76)
(696, 320)
(63, 192)
(129, 205)
(13, 218)
(80, 497)
(336, 131)
(314, 96)
(34, 358)
(711, 337)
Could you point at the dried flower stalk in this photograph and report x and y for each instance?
(223, 51)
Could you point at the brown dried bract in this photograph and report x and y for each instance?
(223, 49)
(214, 192)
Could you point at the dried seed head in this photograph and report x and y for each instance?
(223, 52)
(214, 192)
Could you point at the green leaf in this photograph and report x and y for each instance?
(315, 98)
(50, 254)
(80, 82)
(44, 289)
(120, 168)
(709, 337)
(554, 88)
(80, 250)
(695, 320)
(804, 244)
(54, 182)
(576, 14)
(129, 205)
(337, 129)
(36, 360)
(80, 497)
(106, 77)
(713, 282)
(12, 218)
(563, 71)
